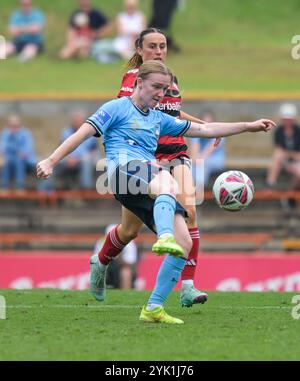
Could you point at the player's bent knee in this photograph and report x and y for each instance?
(189, 244)
(174, 188)
(186, 243)
(192, 215)
(129, 234)
(164, 184)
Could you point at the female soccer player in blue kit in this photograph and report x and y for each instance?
(151, 44)
(130, 129)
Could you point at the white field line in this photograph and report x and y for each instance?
(71, 306)
(136, 306)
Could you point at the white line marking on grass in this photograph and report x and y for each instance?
(72, 306)
(255, 307)
(136, 306)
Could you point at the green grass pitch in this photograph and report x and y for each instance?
(227, 46)
(70, 325)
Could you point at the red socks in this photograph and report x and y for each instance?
(191, 263)
(111, 247)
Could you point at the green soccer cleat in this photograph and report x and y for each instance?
(158, 315)
(190, 295)
(97, 278)
(167, 245)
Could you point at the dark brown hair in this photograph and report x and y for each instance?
(136, 60)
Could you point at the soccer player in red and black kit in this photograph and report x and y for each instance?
(150, 45)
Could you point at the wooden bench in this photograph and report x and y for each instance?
(93, 195)
(291, 244)
(10, 240)
(57, 195)
(52, 198)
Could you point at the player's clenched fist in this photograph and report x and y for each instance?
(261, 125)
(44, 169)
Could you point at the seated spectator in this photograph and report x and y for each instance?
(86, 25)
(17, 149)
(129, 25)
(26, 29)
(121, 272)
(286, 154)
(78, 168)
(207, 158)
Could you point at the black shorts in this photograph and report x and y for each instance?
(170, 165)
(129, 184)
(21, 45)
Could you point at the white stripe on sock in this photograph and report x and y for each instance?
(115, 240)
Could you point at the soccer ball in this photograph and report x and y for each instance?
(233, 190)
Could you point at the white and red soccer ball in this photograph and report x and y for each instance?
(233, 190)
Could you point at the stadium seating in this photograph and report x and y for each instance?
(12, 240)
(77, 219)
(264, 195)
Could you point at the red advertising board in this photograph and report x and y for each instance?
(44, 270)
(235, 272)
(224, 272)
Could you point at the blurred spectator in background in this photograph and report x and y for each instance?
(129, 25)
(26, 29)
(86, 25)
(162, 13)
(207, 158)
(78, 168)
(286, 154)
(17, 149)
(121, 272)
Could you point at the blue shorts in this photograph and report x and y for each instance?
(129, 184)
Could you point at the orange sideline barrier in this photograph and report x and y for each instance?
(11, 239)
(93, 195)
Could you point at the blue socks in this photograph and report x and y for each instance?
(171, 268)
(168, 275)
(163, 212)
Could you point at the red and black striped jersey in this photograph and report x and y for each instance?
(168, 147)
(128, 82)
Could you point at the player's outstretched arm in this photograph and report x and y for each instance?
(191, 118)
(45, 167)
(218, 130)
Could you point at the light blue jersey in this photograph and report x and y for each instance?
(131, 134)
(20, 19)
